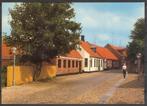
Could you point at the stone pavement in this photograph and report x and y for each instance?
(86, 88)
(131, 91)
(105, 98)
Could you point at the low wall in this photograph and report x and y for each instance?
(24, 74)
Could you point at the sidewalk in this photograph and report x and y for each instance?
(131, 91)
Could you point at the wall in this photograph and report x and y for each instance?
(115, 64)
(24, 74)
(109, 64)
(66, 69)
(93, 67)
(84, 55)
(101, 64)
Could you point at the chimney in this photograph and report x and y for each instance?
(82, 37)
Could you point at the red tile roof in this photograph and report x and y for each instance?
(6, 52)
(74, 54)
(105, 53)
(121, 50)
(117, 47)
(87, 47)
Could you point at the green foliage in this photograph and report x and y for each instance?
(137, 36)
(41, 31)
(3, 69)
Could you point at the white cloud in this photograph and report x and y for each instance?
(103, 37)
(108, 26)
(141, 11)
(92, 18)
(113, 39)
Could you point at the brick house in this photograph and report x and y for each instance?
(119, 52)
(70, 63)
(109, 59)
(7, 56)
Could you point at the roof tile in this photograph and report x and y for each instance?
(87, 47)
(74, 54)
(105, 53)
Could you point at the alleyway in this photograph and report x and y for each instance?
(86, 88)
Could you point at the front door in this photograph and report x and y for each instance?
(80, 70)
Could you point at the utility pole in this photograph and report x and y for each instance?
(14, 59)
(139, 64)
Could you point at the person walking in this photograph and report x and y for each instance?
(124, 69)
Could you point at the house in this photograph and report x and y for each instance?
(109, 59)
(91, 60)
(119, 52)
(70, 63)
(7, 56)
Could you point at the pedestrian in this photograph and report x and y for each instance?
(124, 69)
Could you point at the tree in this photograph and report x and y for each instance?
(42, 31)
(137, 43)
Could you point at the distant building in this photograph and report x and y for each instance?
(119, 52)
(109, 59)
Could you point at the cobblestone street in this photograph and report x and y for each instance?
(85, 88)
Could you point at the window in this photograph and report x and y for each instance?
(68, 63)
(86, 62)
(76, 63)
(73, 63)
(98, 62)
(101, 63)
(64, 63)
(59, 63)
(94, 62)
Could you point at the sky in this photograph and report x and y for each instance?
(101, 23)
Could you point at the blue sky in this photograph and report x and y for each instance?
(101, 23)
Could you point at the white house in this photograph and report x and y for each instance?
(91, 60)
(101, 61)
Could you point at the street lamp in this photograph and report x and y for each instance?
(138, 56)
(14, 54)
(30, 38)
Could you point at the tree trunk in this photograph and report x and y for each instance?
(53, 61)
(37, 71)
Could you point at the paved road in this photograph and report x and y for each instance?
(72, 89)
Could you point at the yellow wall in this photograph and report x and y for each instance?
(24, 74)
(47, 71)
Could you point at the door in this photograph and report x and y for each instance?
(80, 65)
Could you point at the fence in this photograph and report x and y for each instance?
(24, 74)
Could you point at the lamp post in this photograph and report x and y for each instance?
(14, 57)
(138, 62)
(30, 38)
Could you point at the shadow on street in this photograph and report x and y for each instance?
(133, 84)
